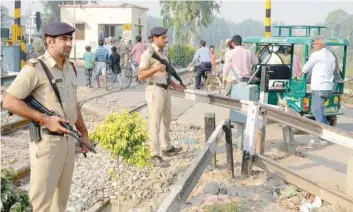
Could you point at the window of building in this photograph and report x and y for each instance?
(80, 32)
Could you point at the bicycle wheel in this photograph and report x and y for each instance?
(128, 77)
(189, 79)
(213, 83)
(347, 96)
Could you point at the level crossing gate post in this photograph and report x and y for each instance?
(261, 130)
(288, 137)
(210, 126)
(261, 134)
(250, 139)
(227, 127)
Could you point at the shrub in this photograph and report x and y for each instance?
(125, 136)
(13, 199)
(181, 55)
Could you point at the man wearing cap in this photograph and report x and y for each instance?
(52, 156)
(158, 97)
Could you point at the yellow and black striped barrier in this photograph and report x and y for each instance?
(23, 53)
(268, 19)
(17, 33)
(16, 28)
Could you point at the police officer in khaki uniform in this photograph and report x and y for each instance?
(52, 158)
(158, 97)
(123, 50)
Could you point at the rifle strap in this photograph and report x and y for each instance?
(51, 81)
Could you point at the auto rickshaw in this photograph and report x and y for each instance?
(282, 85)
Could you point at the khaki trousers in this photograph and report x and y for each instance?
(123, 59)
(160, 116)
(52, 165)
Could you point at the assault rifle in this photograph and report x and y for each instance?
(33, 103)
(170, 69)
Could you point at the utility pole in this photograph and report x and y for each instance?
(268, 19)
(75, 33)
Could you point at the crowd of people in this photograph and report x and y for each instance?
(109, 57)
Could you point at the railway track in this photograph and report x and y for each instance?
(23, 122)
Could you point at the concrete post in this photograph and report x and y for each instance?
(210, 126)
(229, 146)
(250, 140)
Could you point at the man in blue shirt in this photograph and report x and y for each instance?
(202, 56)
(101, 59)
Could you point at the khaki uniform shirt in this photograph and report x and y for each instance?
(147, 61)
(123, 48)
(33, 81)
(129, 47)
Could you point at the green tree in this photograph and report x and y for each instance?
(334, 22)
(157, 22)
(336, 16)
(221, 29)
(188, 17)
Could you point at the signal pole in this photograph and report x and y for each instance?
(268, 19)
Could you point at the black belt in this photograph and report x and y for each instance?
(159, 85)
(244, 79)
(47, 132)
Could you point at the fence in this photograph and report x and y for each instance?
(253, 148)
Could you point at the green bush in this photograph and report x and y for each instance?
(125, 136)
(13, 199)
(181, 55)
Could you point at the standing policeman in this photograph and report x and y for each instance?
(158, 97)
(52, 156)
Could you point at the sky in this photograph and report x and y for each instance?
(290, 12)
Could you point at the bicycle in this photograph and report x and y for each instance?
(347, 96)
(129, 73)
(209, 83)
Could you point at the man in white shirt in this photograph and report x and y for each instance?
(202, 56)
(321, 64)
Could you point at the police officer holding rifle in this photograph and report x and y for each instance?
(155, 69)
(51, 81)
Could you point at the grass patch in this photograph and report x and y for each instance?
(225, 207)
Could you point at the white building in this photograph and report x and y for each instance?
(117, 20)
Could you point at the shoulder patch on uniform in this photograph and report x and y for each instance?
(74, 67)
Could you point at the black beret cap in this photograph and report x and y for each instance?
(58, 28)
(158, 31)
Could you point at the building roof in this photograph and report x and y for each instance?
(124, 5)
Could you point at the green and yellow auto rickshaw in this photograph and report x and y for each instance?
(278, 61)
